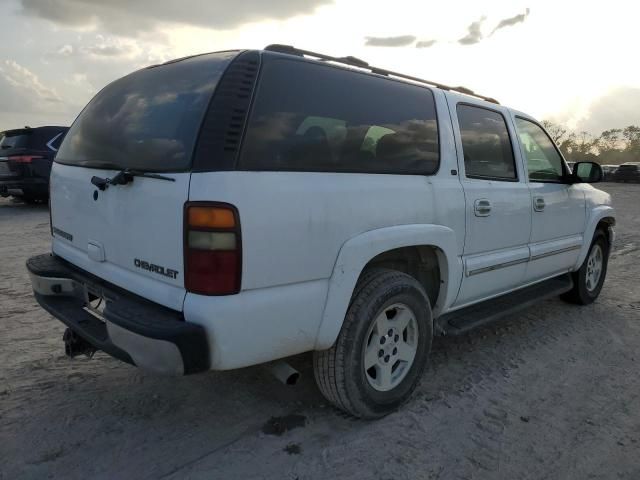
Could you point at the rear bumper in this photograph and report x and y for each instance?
(129, 328)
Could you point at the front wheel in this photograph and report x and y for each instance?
(382, 349)
(588, 280)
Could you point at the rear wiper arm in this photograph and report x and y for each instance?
(126, 176)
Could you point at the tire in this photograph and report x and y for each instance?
(381, 299)
(585, 288)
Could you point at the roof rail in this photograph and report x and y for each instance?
(356, 62)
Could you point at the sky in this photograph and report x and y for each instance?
(571, 62)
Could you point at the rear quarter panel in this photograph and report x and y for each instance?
(294, 226)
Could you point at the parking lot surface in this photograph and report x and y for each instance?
(552, 392)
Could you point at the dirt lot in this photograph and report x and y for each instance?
(551, 393)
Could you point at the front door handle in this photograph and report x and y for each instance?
(482, 207)
(538, 204)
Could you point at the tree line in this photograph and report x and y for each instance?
(611, 147)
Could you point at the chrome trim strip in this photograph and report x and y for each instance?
(523, 260)
(497, 266)
(556, 252)
(50, 142)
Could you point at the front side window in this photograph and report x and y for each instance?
(317, 118)
(486, 145)
(544, 163)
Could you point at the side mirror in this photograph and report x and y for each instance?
(587, 172)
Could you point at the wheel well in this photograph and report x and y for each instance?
(604, 225)
(421, 262)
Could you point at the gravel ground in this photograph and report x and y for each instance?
(551, 393)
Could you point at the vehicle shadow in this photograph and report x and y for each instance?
(15, 206)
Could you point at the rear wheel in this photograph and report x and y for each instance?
(382, 349)
(588, 280)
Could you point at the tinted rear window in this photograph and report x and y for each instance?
(10, 141)
(310, 117)
(148, 120)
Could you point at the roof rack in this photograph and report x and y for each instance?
(356, 62)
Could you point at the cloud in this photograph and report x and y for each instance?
(426, 43)
(22, 79)
(27, 101)
(108, 50)
(617, 109)
(65, 50)
(508, 22)
(130, 18)
(100, 48)
(474, 33)
(399, 41)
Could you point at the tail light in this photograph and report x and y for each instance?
(212, 248)
(23, 158)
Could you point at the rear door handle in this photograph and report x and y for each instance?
(482, 207)
(538, 204)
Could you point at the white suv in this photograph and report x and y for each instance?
(233, 208)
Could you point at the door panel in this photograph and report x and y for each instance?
(116, 233)
(556, 230)
(558, 208)
(498, 202)
(496, 251)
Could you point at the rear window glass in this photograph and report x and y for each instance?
(11, 141)
(310, 117)
(148, 120)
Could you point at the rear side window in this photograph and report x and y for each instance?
(10, 141)
(316, 118)
(148, 120)
(544, 163)
(486, 145)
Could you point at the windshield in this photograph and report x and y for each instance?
(148, 120)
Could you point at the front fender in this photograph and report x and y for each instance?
(358, 251)
(596, 215)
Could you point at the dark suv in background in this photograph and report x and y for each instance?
(627, 172)
(26, 155)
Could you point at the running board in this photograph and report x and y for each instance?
(461, 321)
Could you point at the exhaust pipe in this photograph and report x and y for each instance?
(284, 372)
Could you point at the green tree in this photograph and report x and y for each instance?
(631, 135)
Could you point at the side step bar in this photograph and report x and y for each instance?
(461, 321)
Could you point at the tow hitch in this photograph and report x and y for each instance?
(75, 345)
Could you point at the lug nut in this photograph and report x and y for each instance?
(380, 353)
(386, 358)
(395, 351)
(396, 338)
(382, 340)
(390, 333)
